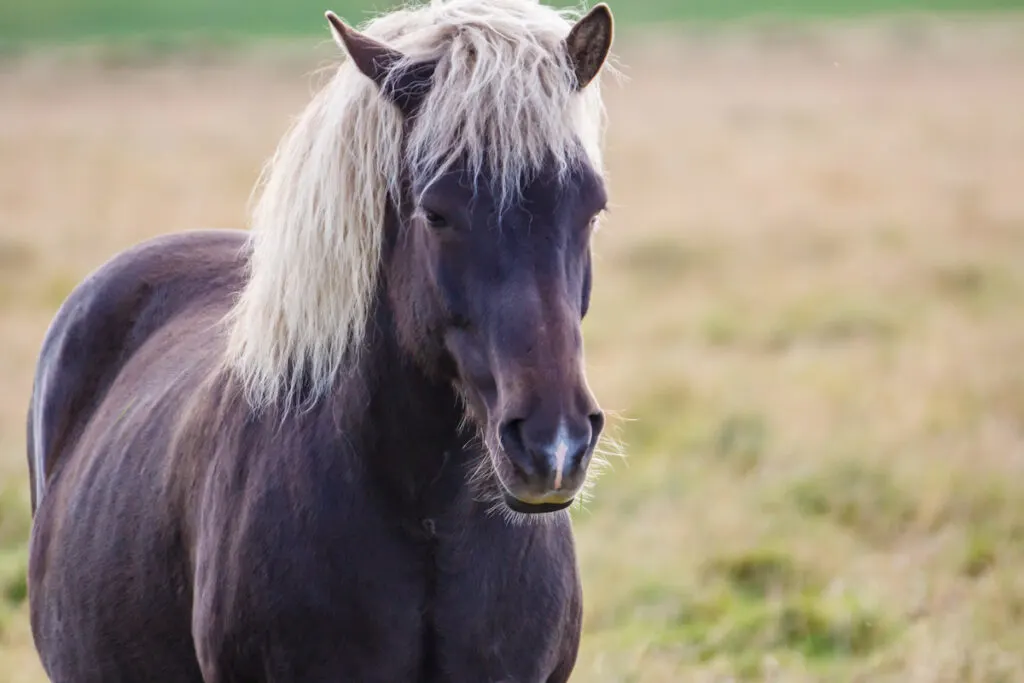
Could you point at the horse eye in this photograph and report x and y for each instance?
(434, 219)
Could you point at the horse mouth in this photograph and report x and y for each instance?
(521, 506)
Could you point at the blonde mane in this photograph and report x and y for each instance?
(503, 100)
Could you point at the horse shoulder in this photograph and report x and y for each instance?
(297, 567)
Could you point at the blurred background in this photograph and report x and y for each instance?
(808, 309)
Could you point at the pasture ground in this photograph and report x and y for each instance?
(807, 311)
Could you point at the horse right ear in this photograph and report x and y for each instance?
(377, 61)
(373, 58)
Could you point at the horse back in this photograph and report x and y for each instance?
(107, 318)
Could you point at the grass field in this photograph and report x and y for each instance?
(807, 309)
(25, 22)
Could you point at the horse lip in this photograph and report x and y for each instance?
(521, 506)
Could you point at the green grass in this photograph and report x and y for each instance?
(15, 521)
(25, 22)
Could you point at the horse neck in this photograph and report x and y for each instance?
(412, 417)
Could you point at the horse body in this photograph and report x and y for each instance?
(180, 539)
(224, 492)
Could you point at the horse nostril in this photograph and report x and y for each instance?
(596, 425)
(521, 456)
(511, 436)
(577, 458)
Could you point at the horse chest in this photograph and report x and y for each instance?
(438, 600)
(504, 602)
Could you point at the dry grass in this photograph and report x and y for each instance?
(807, 301)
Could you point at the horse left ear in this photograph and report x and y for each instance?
(376, 61)
(589, 43)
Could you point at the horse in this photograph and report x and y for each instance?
(342, 444)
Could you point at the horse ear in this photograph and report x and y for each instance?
(376, 61)
(373, 58)
(589, 43)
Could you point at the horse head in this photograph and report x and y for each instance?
(489, 269)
